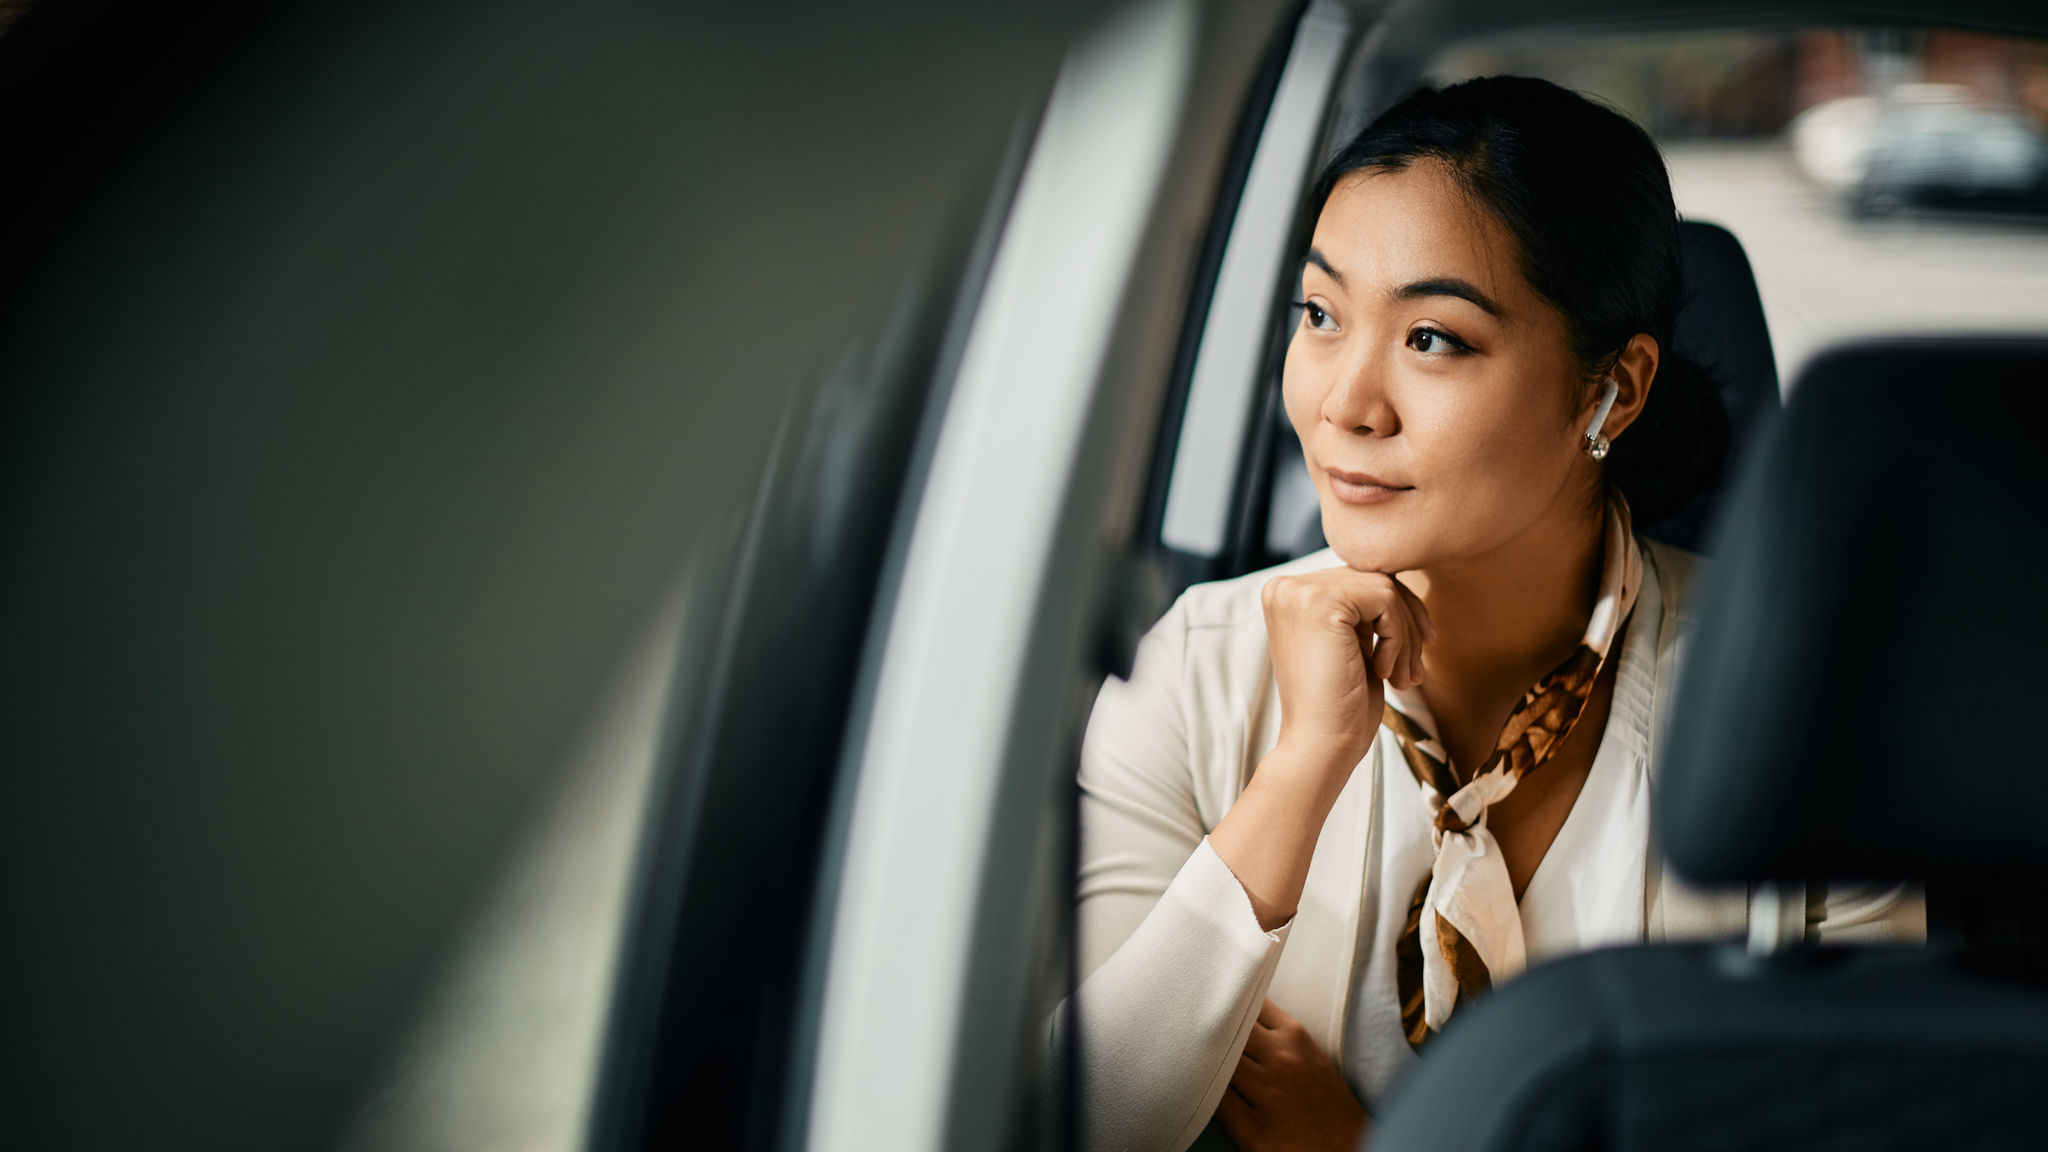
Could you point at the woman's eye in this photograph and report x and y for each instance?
(1317, 318)
(1432, 341)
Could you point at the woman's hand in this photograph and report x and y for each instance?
(1287, 1094)
(1335, 636)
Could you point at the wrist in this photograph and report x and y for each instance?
(1268, 837)
(1304, 776)
(1328, 762)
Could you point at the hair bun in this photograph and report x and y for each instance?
(1678, 447)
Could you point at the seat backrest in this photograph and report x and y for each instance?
(1859, 704)
(1687, 1048)
(1721, 328)
(1900, 514)
(1863, 705)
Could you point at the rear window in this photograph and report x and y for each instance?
(1883, 181)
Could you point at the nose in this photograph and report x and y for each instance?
(1358, 401)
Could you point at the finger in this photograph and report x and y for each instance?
(1404, 621)
(1369, 641)
(1387, 612)
(1419, 634)
(1274, 1016)
(1387, 646)
(1388, 627)
(1417, 609)
(1397, 675)
(1397, 635)
(1380, 632)
(1258, 1046)
(1237, 1116)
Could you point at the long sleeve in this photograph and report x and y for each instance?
(1869, 914)
(1173, 961)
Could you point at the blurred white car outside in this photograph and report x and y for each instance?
(1933, 143)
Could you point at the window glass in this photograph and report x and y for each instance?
(1882, 181)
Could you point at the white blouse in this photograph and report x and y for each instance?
(1174, 966)
(1586, 892)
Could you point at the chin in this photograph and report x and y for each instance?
(1370, 546)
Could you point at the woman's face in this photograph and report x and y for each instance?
(1437, 403)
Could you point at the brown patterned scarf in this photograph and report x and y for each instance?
(1464, 929)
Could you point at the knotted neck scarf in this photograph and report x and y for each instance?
(1464, 929)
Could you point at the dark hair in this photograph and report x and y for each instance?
(1584, 192)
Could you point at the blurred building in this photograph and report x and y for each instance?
(1734, 85)
(1993, 69)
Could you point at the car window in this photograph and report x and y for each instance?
(1881, 181)
(949, 939)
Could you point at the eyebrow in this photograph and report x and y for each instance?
(1316, 258)
(1448, 286)
(1436, 286)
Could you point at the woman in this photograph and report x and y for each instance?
(1340, 798)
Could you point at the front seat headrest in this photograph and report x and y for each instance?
(1721, 325)
(1864, 695)
(1721, 328)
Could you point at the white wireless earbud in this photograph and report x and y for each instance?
(1606, 405)
(1596, 444)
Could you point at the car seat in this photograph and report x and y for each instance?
(1721, 328)
(1860, 704)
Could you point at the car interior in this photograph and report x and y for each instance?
(1771, 1042)
(1802, 754)
(536, 622)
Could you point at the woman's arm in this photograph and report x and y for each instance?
(1869, 914)
(1173, 959)
(1179, 934)
(1337, 637)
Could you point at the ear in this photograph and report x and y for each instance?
(1633, 375)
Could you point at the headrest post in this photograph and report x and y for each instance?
(1777, 917)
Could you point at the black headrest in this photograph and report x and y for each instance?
(1868, 679)
(1721, 324)
(1721, 328)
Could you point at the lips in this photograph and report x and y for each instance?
(1363, 487)
(1365, 480)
